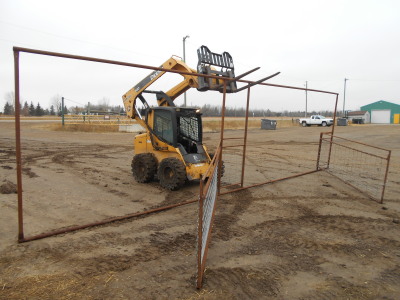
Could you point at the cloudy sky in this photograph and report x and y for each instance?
(321, 42)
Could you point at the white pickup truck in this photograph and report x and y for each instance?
(316, 120)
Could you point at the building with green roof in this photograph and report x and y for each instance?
(383, 112)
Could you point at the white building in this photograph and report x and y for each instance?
(359, 117)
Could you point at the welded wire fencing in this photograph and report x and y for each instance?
(233, 158)
(362, 166)
(261, 162)
(209, 187)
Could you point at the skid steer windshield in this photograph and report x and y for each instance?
(163, 125)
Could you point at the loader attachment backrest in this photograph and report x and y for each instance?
(207, 60)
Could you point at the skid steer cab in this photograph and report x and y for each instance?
(172, 148)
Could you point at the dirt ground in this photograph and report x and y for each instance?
(311, 237)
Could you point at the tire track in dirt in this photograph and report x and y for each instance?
(339, 234)
(154, 247)
(338, 288)
(232, 208)
(241, 283)
(300, 253)
(74, 160)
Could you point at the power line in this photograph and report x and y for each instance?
(15, 42)
(389, 80)
(74, 101)
(77, 40)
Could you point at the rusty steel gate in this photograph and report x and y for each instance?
(362, 166)
(330, 158)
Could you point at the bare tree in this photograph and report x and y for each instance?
(10, 98)
(56, 102)
(104, 104)
(10, 101)
(76, 110)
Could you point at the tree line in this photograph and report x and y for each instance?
(32, 110)
(207, 111)
(26, 109)
(103, 106)
(216, 111)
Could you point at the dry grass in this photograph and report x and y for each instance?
(209, 124)
(214, 124)
(85, 127)
(11, 117)
(58, 286)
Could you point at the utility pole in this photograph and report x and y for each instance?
(305, 114)
(184, 60)
(344, 96)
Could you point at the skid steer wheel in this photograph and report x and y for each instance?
(223, 164)
(222, 169)
(171, 173)
(144, 167)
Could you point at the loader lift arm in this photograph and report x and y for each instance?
(163, 99)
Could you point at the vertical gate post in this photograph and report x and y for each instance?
(386, 175)
(62, 111)
(222, 137)
(18, 147)
(245, 136)
(200, 237)
(333, 131)
(319, 149)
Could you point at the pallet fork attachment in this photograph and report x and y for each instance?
(207, 61)
(206, 65)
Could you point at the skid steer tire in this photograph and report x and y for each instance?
(223, 169)
(223, 164)
(144, 167)
(171, 173)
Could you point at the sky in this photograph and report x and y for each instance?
(313, 41)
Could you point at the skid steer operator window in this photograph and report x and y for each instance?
(189, 128)
(163, 125)
(189, 131)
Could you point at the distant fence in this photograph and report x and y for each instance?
(98, 119)
(362, 166)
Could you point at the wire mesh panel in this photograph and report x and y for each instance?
(268, 158)
(362, 166)
(232, 160)
(189, 127)
(275, 160)
(208, 197)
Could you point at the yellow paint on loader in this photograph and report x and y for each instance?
(143, 144)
